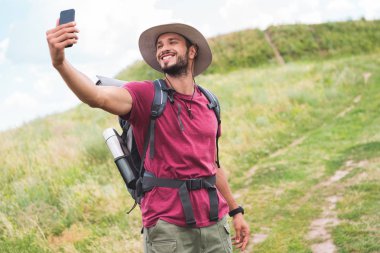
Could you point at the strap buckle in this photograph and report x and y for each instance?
(194, 184)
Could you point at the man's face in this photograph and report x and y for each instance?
(171, 53)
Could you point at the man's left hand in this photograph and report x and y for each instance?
(241, 227)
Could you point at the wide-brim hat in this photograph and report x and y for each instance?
(148, 39)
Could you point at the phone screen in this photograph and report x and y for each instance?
(67, 16)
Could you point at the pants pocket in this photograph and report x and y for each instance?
(224, 232)
(159, 239)
(163, 246)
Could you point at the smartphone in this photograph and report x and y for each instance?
(67, 16)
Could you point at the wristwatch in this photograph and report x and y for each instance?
(237, 210)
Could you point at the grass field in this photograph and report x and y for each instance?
(301, 145)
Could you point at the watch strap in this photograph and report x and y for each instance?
(235, 211)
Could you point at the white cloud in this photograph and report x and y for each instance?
(371, 8)
(4, 44)
(45, 85)
(259, 14)
(20, 100)
(313, 17)
(19, 79)
(340, 5)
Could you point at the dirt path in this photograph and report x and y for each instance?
(257, 238)
(349, 108)
(319, 233)
(279, 152)
(319, 228)
(276, 52)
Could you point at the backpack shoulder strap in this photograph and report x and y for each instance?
(157, 108)
(215, 106)
(213, 102)
(160, 98)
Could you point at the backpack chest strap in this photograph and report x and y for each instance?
(184, 186)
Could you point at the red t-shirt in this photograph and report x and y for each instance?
(184, 148)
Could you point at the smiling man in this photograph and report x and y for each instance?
(185, 146)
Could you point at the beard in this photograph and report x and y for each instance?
(178, 69)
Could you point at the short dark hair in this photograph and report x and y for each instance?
(189, 44)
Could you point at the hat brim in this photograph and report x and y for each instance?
(147, 45)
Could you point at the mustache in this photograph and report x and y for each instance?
(165, 52)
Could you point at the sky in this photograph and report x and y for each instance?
(109, 30)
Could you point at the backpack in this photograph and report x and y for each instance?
(136, 161)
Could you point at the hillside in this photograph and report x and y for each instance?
(281, 44)
(301, 145)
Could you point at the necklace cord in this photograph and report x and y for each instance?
(188, 107)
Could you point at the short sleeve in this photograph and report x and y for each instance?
(142, 96)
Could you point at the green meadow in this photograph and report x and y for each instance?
(300, 144)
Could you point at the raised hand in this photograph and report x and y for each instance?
(60, 37)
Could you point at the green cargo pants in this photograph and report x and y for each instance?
(169, 238)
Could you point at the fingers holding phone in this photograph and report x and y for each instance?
(66, 34)
(65, 17)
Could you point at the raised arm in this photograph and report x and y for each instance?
(115, 100)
